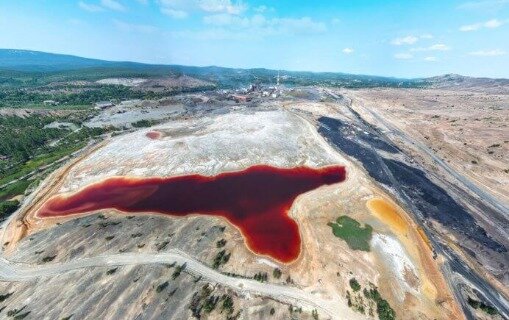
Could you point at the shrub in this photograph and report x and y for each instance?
(8, 207)
(384, 310)
(354, 284)
(221, 243)
(162, 286)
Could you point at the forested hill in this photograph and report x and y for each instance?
(26, 60)
(25, 65)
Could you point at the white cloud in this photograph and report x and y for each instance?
(260, 25)
(488, 53)
(404, 40)
(336, 21)
(76, 22)
(260, 9)
(431, 59)
(130, 27)
(89, 7)
(483, 4)
(226, 20)
(232, 27)
(104, 4)
(410, 39)
(348, 50)
(263, 9)
(439, 47)
(225, 6)
(113, 5)
(304, 25)
(470, 27)
(490, 24)
(209, 34)
(177, 8)
(175, 14)
(435, 47)
(494, 23)
(403, 56)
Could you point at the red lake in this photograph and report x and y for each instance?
(255, 200)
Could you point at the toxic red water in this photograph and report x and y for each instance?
(154, 135)
(255, 200)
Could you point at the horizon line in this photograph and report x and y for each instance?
(254, 68)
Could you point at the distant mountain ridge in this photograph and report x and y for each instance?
(455, 80)
(37, 61)
(41, 67)
(27, 60)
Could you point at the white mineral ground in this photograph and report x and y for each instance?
(238, 140)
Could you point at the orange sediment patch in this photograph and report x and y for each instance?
(414, 240)
(417, 244)
(389, 214)
(424, 238)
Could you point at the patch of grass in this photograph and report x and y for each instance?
(476, 304)
(21, 315)
(178, 271)
(488, 309)
(48, 258)
(227, 304)
(384, 310)
(221, 243)
(17, 172)
(161, 246)
(210, 304)
(14, 189)
(354, 284)
(16, 313)
(144, 123)
(8, 207)
(3, 297)
(261, 277)
(111, 271)
(28, 147)
(162, 286)
(276, 273)
(221, 258)
(350, 230)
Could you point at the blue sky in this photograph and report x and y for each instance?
(400, 38)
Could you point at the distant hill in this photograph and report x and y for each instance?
(25, 66)
(26, 60)
(458, 82)
(32, 68)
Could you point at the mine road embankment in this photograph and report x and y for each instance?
(404, 180)
(10, 271)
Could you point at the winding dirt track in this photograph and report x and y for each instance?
(20, 272)
(333, 307)
(469, 185)
(456, 271)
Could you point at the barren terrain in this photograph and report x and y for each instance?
(176, 268)
(468, 130)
